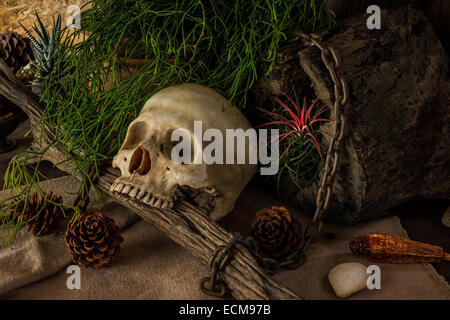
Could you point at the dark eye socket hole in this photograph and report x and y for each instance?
(168, 169)
(125, 159)
(136, 133)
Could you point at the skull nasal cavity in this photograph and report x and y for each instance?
(140, 161)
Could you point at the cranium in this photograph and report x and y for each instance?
(151, 176)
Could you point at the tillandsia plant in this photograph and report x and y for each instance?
(299, 138)
(221, 44)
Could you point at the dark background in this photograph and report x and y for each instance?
(438, 11)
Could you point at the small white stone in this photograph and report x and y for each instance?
(446, 218)
(348, 278)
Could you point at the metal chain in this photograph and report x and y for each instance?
(272, 266)
(221, 256)
(332, 63)
(312, 230)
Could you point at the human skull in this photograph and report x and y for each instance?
(151, 176)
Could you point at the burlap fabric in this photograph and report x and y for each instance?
(151, 266)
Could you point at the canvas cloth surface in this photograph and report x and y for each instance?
(151, 266)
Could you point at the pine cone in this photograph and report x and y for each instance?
(277, 232)
(15, 50)
(41, 217)
(94, 241)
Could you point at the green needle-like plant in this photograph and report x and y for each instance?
(224, 44)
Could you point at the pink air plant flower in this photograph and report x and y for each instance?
(299, 122)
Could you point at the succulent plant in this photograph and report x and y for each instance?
(45, 46)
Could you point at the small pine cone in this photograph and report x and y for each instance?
(15, 50)
(277, 232)
(41, 216)
(94, 241)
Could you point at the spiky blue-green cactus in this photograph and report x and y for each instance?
(45, 46)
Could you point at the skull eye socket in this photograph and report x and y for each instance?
(135, 135)
(140, 161)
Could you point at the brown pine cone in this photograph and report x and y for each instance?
(94, 241)
(41, 216)
(277, 232)
(15, 50)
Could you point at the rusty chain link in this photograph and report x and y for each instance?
(212, 285)
(221, 256)
(332, 63)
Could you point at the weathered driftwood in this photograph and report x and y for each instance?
(16, 92)
(397, 144)
(185, 224)
(194, 230)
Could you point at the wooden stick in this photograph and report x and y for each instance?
(192, 229)
(16, 92)
(185, 224)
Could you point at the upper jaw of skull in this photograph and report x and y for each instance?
(179, 107)
(150, 176)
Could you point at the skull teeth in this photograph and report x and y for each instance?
(146, 197)
(134, 192)
(141, 194)
(119, 187)
(126, 190)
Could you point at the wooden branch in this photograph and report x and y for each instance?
(16, 92)
(185, 224)
(192, 229)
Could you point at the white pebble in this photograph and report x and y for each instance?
(446, 218)
(348, 278)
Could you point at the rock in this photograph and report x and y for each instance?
(446, 218)
(348, 278)
(398, 117)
